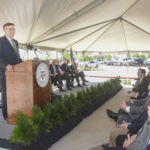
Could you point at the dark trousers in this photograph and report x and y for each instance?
(3, 94)
(82, 76)
(74, 76)
(56, 79)
(122, 115)
(120, 140)
(77, 76)
(66, 77)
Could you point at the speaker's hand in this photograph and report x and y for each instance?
(9, 68)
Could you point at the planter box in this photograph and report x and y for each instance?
(45, 141)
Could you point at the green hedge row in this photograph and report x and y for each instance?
(43, 120)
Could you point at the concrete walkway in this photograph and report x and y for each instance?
(93, 130)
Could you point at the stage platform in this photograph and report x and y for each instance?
(6, 130)
(5, 133)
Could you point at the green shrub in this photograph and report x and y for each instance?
(88, 96)
(62, 109)
(39, 119)
(95, 94)
(26, 131)
(81, 97)
(42, 120)
(69, 104)
(75, 101)
(52, 114)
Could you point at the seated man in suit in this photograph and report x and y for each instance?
(141, 93)
(141, 90)
(77, 74)
(72, 75)
(64, 75)
(9, 56)
(140, 139)
(136, 83)
(127, 127)
(55, 76)
(148, 74)
(130, 110)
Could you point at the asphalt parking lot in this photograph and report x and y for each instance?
(113, 71)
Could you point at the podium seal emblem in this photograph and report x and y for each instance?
(42, 75)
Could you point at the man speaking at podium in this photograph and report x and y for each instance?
(9, 56)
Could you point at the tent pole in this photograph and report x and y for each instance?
(126, 43)
(62, 52)
(24, 54)
(27, 53)
(56, 55)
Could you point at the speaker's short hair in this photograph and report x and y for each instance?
(8, 24)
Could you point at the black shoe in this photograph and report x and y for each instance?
(59, 86)
(5, 117)
(112, 115)
(86, 81)
(84, 84)
(62, 90)
(105, 145)
(68, 88)
(79, 85)
(73, 86)
(52, 93)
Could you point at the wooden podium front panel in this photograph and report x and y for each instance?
(23, 91)
(19, 87)
(25, 66)
(41, 95)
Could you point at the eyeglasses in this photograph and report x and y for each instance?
(10, 29)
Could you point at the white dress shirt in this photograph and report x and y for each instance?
(9, 39)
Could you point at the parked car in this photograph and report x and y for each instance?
(147, 62)
(110, 63)
(118, 62)
(83, 64)
(92, 64)
(137, 61)
(124, 61)
(100, 61)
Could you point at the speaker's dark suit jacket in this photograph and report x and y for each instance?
(7, 56)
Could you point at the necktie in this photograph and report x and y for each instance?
(14, 46)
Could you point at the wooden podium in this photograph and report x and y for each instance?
(23, 92)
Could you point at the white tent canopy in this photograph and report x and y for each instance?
(85, 25)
